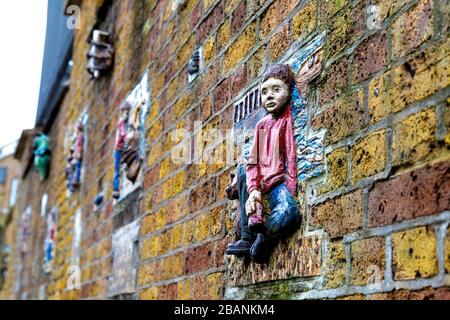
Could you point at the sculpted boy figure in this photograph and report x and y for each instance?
(270, 175)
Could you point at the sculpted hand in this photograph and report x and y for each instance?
(253, 199)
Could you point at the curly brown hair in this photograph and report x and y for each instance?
(282, 72)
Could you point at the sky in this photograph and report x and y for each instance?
(22, 34)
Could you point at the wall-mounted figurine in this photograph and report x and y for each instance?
(50, 238)
(194, 65)
(75, 145)
(129, 149)
(267, 185)
(42, 155)
(75, 158)
(100, 55)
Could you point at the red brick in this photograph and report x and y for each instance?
(220, 248)
(151, 177)
(196, 14)
(339, 216)
(222, 94)
(212, 21)
(412, 195)
(370, 57)
(238, 81)
(172, 290)
(239, 16)
(336, 82)
(345, 117)
(203, 196)
(198, 288)
(199, 259)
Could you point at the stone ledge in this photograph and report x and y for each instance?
(297, 256)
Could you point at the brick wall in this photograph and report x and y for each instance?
(375, 217)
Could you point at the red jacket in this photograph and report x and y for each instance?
(276, 159)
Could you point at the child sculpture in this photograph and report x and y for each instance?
(128, 139)
(74, 161)
(121, 134)
(270, 176)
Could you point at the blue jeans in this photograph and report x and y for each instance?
(116, 179)
(284, 215)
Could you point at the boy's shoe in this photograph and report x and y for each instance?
(239, 248)
(261, 249)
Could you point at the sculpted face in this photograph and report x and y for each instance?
(274, 95)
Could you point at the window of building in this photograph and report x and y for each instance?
(13, 192)
(3, 172)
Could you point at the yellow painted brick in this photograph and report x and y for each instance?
(149, 248)
(207, 4)
(167, 188)
(369, 156)
(146, 274)
(188, 232)
(165, 167)
(414, 138)
(185, 52)
(214, 285)
(184, 290)
(173, 266)
(175, 237)
(412, 81)
(202, 227)
(328, 8)
(163, 243)
(305, 21)
(209, 50)
(149, 294)
(158, 84)
(336, 170)
(414, 254)
(230, 5)
(223, 35)
(172, 89)
(154, 111)
(155, 153)
(178, 182)
(181, 106)
(216, 220)
(335, 265)
(155, 131)
(240, 48)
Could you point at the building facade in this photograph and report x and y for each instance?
(152, 221)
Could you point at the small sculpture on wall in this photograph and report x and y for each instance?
(128, 139)
(50, 238)
(267, 186)
(129, 148)
(194, 65)
(75, 158)
(119, 146)
(100, 55)
(42, 155)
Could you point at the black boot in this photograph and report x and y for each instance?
(239, 248)
(261, 249)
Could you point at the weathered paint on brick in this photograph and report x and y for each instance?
(414, 254)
